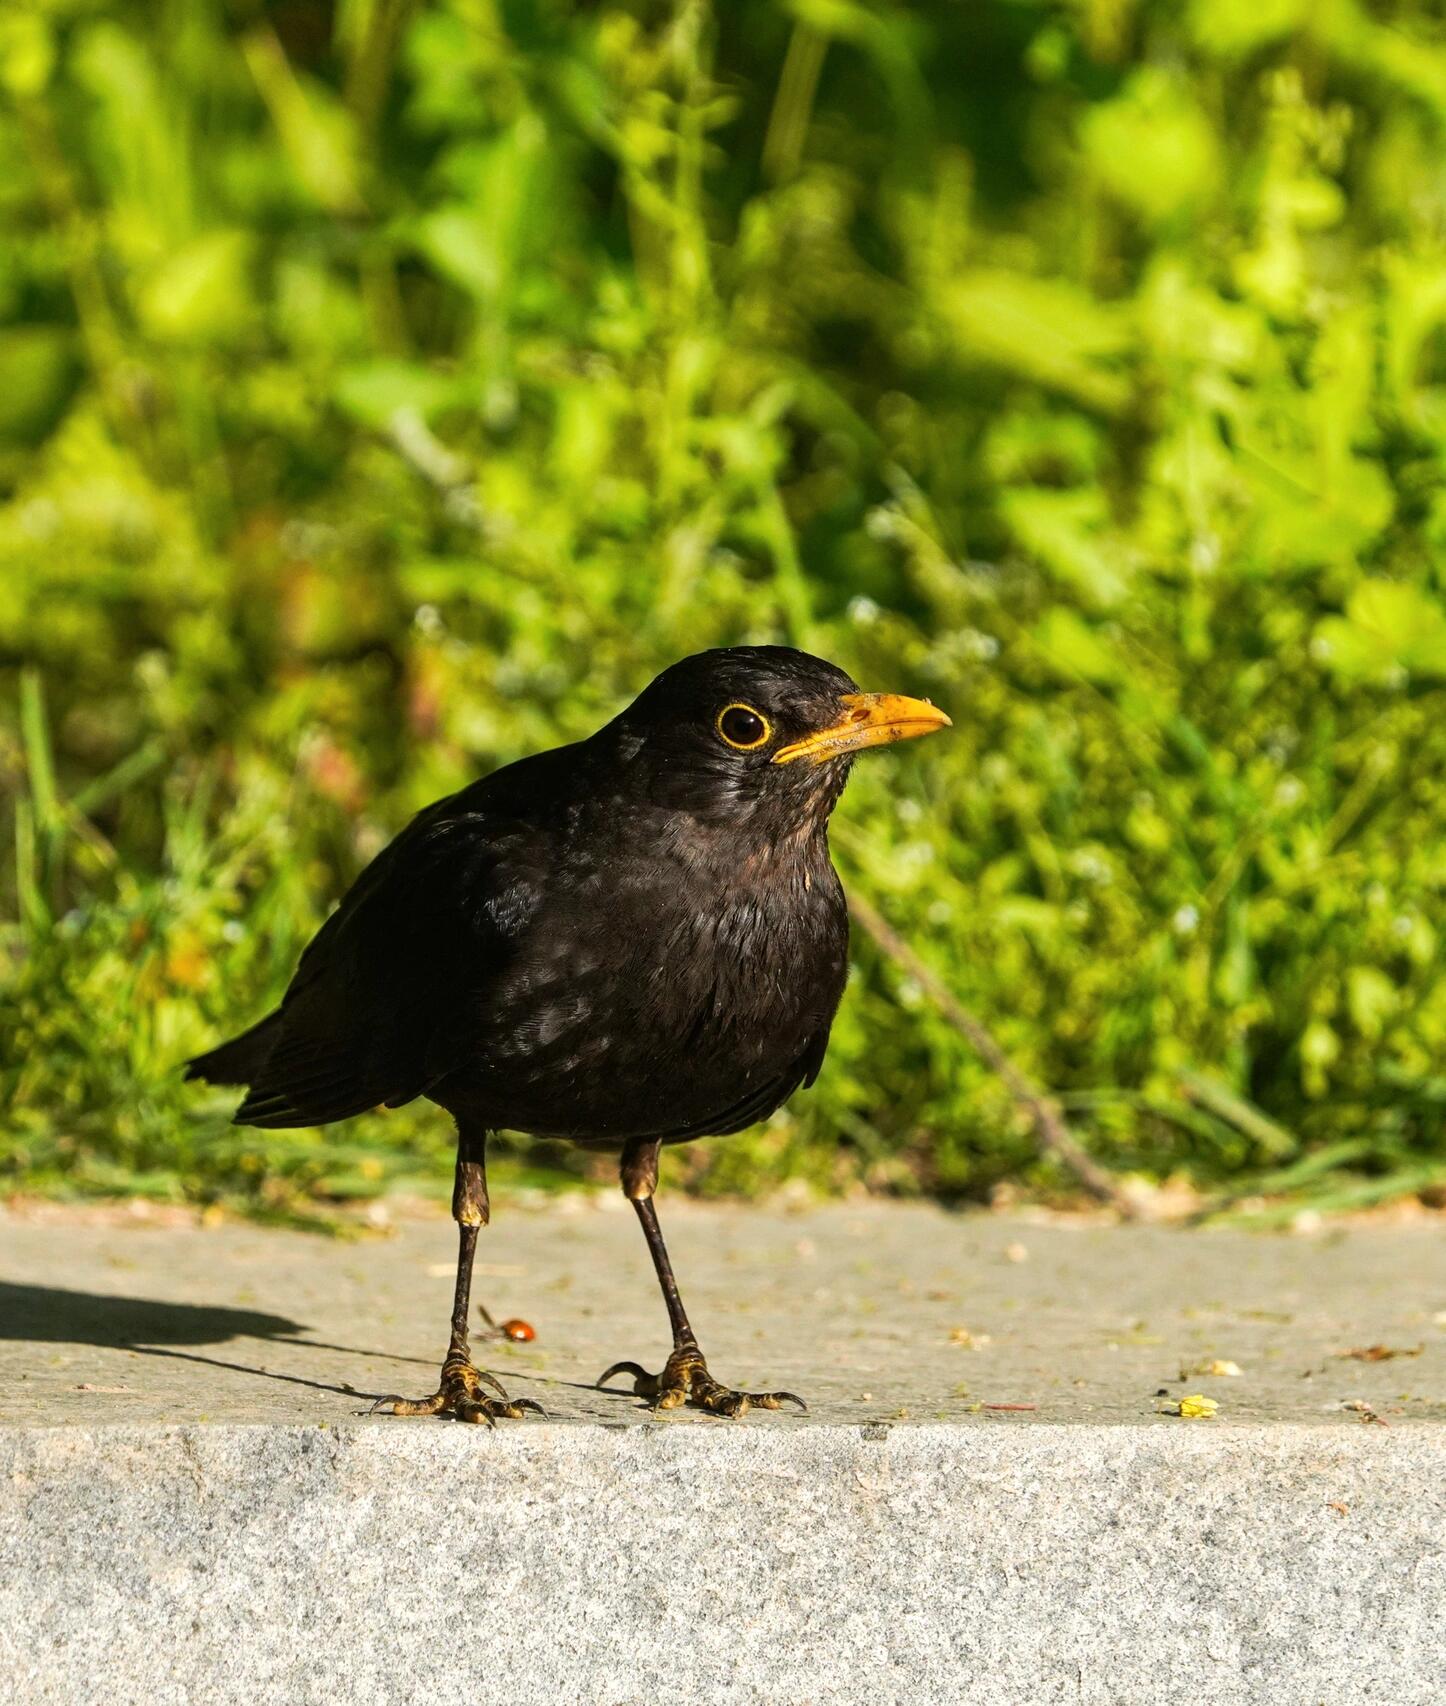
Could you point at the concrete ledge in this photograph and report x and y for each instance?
(193, 1510)
(928, 1562)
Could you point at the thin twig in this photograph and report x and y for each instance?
(1053, 1134)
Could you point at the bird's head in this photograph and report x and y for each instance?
(758, 733)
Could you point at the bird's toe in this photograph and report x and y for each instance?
(393, 1404)
(722, 1402)
(460, 1395)
(776, 1400)
(685, 1380)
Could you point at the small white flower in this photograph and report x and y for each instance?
(882, 522)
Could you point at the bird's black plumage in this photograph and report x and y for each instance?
(640, 935)
(639, 938)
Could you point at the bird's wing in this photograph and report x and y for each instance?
(380, 1004)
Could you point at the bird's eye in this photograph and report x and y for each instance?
(743, 728)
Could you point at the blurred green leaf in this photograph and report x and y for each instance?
(316, 130)
(27, 52)
(1069, 531)
(377, 391)
(201, 293)
(1078, 650)
(1041, 329)
(1152, 146)
(40, 364)
(1389, 628)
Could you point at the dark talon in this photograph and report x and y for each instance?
(635, 1369)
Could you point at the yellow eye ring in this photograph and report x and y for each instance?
(749, 729)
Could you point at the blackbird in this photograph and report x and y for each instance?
(634, 940)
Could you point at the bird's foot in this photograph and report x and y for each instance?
(459, 1394)
(685, 1380)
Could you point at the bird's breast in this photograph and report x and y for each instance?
(653, 996)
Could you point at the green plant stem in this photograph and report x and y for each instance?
(1054, 1136)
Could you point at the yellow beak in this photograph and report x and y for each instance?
(870, 719)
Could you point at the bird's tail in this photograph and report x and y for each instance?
(242, 1059)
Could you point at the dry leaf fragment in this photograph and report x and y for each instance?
(1379, 1353)
(1361, 1408)
(1220, 1367)
(969, 1341)
(1338, 1507)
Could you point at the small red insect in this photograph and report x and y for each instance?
(520, 1332)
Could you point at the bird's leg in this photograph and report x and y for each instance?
(684, 1378)
(459, 1392)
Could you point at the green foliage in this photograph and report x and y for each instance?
(390, 388)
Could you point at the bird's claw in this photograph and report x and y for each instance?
(459, 1394)
(685, 1380)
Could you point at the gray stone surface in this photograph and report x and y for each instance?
(191, 1508)
(551, 1563)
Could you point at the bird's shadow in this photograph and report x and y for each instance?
(42, 1314)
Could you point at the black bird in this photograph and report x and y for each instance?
(635, 940)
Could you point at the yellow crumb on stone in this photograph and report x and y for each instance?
(1194, 1407)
